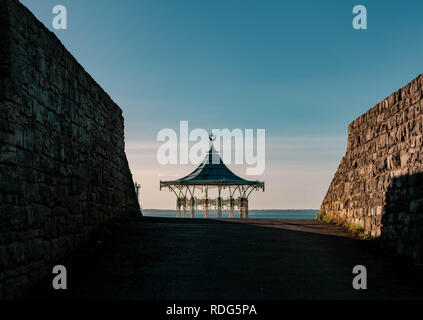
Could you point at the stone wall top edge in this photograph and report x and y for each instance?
(387, 103)
(56, 40)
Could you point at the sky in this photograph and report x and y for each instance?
(297, 69)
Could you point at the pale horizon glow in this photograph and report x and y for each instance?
(298, 172)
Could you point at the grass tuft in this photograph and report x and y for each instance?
(356, 229)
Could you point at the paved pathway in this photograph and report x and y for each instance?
(160, 258)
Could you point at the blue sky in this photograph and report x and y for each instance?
(295, 68)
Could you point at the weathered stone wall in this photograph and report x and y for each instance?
(63, 170)
(379, 183)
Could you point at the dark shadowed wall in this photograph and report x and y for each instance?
(63, 169)
(379, 183)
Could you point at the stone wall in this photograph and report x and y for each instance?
(379, 184)
(63, 169)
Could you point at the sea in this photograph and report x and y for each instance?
(252, 214)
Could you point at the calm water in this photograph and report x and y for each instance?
(263, 214)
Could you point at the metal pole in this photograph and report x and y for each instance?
(137, 190)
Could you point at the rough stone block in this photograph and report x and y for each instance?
(416, 206)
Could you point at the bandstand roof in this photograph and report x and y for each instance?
(212, 171)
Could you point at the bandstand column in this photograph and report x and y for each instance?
(206, 202)
(192, 207)
(206, 208)
(178, 207)
(246, 209)
(184, 206)
(231, 208)
(219, 202)
(241, 208)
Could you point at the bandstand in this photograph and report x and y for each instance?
(192, 191)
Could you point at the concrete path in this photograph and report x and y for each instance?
(161, 258)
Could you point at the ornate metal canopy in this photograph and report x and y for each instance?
(212, 172)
